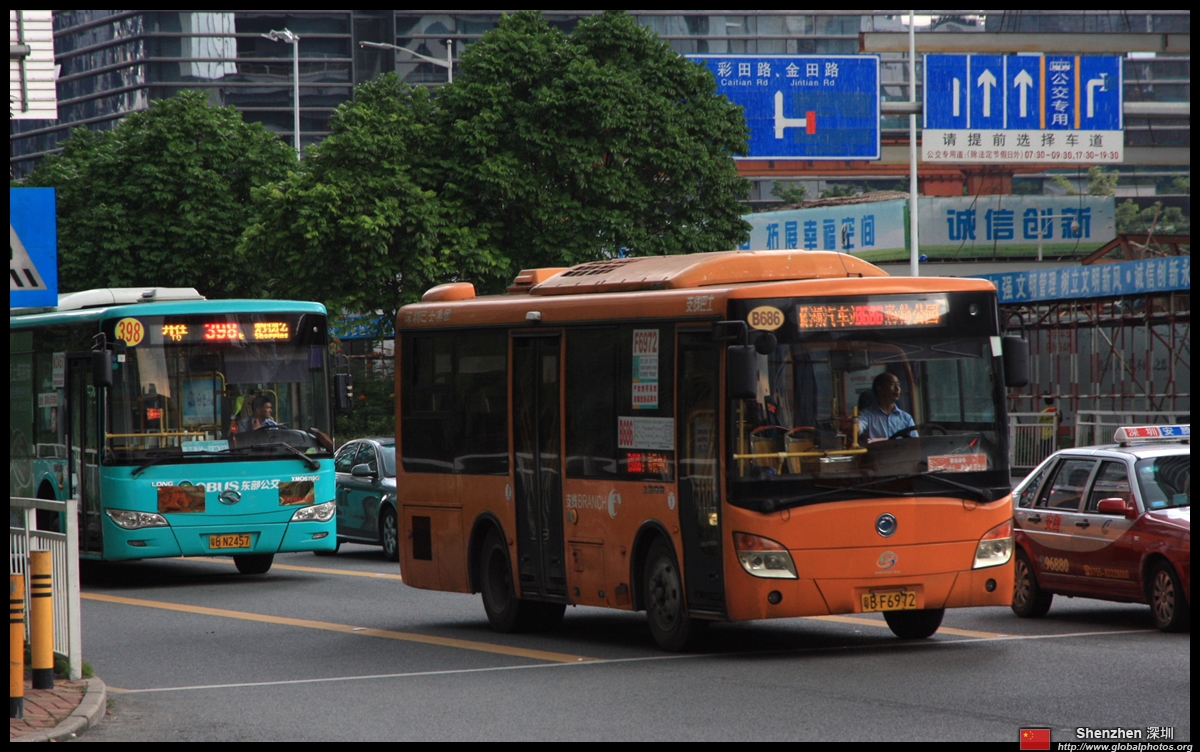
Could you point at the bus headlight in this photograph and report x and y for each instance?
(315, 513)
(763, 557)
(135, 520)
(995, 547)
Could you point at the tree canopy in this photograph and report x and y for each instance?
(162, 198)
(548, 149)
(362, 224)
(574, 147)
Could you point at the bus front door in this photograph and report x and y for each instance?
(83, 442)
(537, 477)
(699, 477)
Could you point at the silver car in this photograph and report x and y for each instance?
(366, 495)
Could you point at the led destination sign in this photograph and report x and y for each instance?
(929, 311)
(226, 331)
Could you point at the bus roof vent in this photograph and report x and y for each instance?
(530, 277)
(109, 296)
(703, 270)
(449, 291)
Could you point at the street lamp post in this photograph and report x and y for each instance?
(1048, 219)
(448, 63)
(289, 38)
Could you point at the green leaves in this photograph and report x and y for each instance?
(162, 198)
(549, 149)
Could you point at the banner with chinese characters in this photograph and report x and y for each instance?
(1007, 147)
(1123, 278)
(851, 228)
(975, 227)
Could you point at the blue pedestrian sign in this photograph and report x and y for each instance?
(1023, 108)
(801, 107)
(32, 248)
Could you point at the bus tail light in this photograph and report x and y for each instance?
(995, 547)
(763, 557)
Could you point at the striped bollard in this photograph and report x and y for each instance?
(41, 618)
(16, 646)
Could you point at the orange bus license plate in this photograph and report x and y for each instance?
(895, 600)
(238, 540)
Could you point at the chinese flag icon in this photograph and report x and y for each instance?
(1035, 738)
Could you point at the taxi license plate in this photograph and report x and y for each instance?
(237, 540)
(894, 600)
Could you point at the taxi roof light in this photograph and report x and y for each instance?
(1127, 435)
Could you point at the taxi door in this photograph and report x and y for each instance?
(1107, 557)
(1054, 525)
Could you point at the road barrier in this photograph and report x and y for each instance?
(63, 549)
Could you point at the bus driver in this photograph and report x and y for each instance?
(884, 418)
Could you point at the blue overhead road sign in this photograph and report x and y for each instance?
(802, 107)
(32, 248)
(1023, 108)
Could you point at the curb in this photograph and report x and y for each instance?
(88, 714)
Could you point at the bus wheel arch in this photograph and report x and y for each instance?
(484, 524)
(649, 533)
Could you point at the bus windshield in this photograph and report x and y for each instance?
(853, 411)
(192, 387)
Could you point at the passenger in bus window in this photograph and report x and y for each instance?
(261, 417)
(884, 419)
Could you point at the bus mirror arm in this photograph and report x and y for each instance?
(102, 370)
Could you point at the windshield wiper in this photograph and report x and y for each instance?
(312, 464)
(983, 493)
(769, 505)
(159, 459)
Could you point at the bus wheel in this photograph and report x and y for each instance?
(670, 624)
(1029, 601)
(389, 535)
(914, 625)
(505, 612)
(253, 563)
(1167, 603)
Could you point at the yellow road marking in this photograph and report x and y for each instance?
(323, 570)
(881, 623)
(449, 642)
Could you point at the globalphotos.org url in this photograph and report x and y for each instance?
(1124, 746)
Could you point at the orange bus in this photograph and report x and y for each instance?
(699, 437)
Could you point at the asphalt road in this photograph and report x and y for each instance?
(340, 649)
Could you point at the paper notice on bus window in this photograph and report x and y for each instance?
(646, 433)
(958, 463)
(645, 369)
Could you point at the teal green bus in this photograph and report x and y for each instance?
(184, 426)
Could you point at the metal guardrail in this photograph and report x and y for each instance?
(1032, 437)
(23, 537)
(1097, 426)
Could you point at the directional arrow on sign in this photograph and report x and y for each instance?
(22, 273)
(988, 82)
(1024, 82)
(1092, 85)
(808, 122)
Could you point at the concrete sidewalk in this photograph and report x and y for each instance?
(64, 712)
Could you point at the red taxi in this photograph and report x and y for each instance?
(1111, 522)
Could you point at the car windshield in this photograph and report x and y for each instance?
(388, 452)
(1166, 481)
